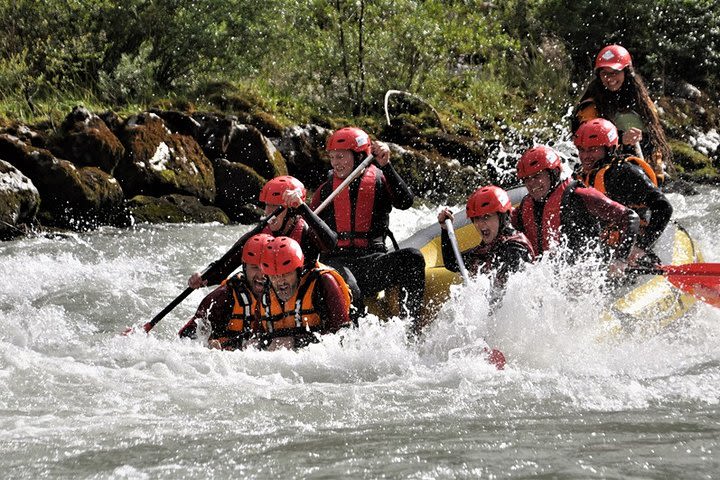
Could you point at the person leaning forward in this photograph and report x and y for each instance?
(626, 179)
(231, 311)
(563, 213)
(299, 302)
(502, 250)
(361, 216)
(296, 221)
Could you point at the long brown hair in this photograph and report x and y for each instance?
(632, 95)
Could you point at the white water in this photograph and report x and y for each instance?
(79, 401)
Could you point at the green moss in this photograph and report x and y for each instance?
(687, 158)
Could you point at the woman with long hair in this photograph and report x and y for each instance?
(617, 93)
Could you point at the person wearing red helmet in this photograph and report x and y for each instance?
(300, 302)
(296, 221)
(502, 250)
(618, 94)
(627, 180)
(231, 311)
(361, 216)
(559, 212)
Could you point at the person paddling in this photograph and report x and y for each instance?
(297, 221)
(361, 216)
(300, 302)
(618, 94)
(563, 213)
(628, 180)
(231, 311)
(502, 250)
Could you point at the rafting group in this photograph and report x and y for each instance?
(307, 270)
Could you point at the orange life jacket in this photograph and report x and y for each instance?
(298, 314)
(596, 178)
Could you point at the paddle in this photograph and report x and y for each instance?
(456, 250)
(627, 120)
(233, 251)
(701, 280)
(205, 273)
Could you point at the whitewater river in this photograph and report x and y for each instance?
(77, 400)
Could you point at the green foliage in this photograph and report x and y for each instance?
(477, 62)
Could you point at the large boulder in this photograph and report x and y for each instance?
(179, 122)
(303, 148)
(158, 162)
(238, 190)
(71, 197)
(173, 209)
(87, 141)
(19, 201)
(248, 146)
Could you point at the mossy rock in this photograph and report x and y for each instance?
(173, 209)
(238, 190)
(250, 147)
(19, 202)
(158, 162)
(687, 158)
(693, 165)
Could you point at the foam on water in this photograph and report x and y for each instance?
(75, 395)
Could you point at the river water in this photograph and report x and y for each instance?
(77, 400)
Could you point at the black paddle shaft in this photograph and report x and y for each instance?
(209, 269)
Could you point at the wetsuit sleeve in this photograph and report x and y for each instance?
(331, 305)
(629, 185)
(400, 194)
(611, 213)
(320, 234)
(216, 308)
(222, 269)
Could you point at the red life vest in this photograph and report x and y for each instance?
(548, 234)
(353, 222)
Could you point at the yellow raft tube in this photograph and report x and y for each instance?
(647, 307)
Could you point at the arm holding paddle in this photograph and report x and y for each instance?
(455, 261)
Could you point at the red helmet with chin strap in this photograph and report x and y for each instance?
(281, 255)
(536, 160)
(597, 132)
(350, 138)
(253, 248)
(613, 56)
(272, 191)
(490, 199)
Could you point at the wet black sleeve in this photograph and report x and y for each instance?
(321, 235)
(628, 184)
(400, 194)
(448, 254)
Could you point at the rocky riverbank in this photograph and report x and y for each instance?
(174, 166)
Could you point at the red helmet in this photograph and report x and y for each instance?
(597, 132)
(280, 256)
(253, 248)
(349, 138)
(486, 200)
(536, 160)
(273, 190)
(613, 56)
